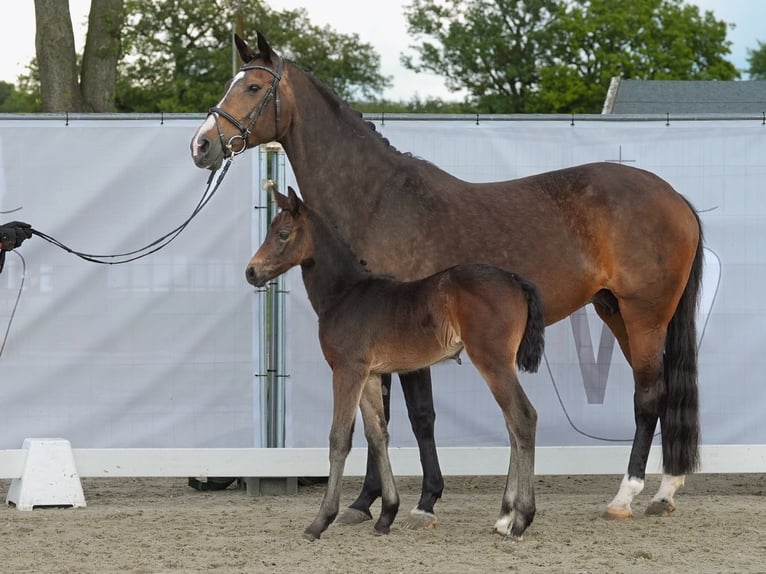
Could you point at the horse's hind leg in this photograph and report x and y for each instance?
(646, 346)
(376, 432)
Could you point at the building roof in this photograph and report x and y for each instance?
(685, 97)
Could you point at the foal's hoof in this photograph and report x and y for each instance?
(353, 516)
(617, 513)
(309, 536)
(419, 520)
(660, 508)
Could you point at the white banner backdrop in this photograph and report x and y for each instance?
(583, 392)
(162, 352)
(154, 353)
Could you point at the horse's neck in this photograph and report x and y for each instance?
(340, 163)
(333, 267)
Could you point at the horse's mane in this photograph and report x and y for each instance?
(342, 106)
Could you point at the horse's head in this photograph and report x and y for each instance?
(288, 242)
(249, 113)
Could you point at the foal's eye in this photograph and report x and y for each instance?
(284, 234)
(253, 88)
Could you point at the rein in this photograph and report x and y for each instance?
(148, 249)
(255, 113)
(155, 245)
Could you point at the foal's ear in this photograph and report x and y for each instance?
(282, 200)
(264, 48)
(294, 202)
(246, 53)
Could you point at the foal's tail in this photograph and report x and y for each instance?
(680, 421)
(532, 345)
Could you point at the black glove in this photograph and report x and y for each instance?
(13, 234)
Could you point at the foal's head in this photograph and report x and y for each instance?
(287, 244)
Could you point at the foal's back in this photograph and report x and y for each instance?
(395, 326)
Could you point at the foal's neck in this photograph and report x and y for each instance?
(332, 269)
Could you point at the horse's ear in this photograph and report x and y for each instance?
(264, 48)
(294, 202)
(246, 53)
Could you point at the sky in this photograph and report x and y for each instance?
(379, 23)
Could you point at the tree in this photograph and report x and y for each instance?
(595, 40)
(549, 56)
(178, 53)
(756, 60)
(492, 48)
(62, 88)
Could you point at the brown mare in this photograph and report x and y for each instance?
(607, 234)
(370, 325)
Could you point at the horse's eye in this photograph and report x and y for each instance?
(284, 234)
(253, 88)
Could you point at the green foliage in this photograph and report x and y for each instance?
(549, 56)
(756, 60)
(178, 53)
(25, 97)
(491, 48)
(595, 40)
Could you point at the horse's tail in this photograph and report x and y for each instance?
(532, 345)
(680, 422)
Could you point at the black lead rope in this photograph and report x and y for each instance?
(152, 247)
(155, 245)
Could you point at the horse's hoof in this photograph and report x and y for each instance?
(353, 516)
(617, 513)
(381, 530)
(419, 520)
(660, 508)
(513, 539)
(309, 536)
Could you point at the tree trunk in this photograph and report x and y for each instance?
(102, 52)
(54, 44)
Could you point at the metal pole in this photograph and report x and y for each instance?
(272, 371)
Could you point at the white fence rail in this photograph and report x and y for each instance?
(455, 461)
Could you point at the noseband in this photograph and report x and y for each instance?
(252, 117)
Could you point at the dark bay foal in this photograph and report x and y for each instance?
(372, 324)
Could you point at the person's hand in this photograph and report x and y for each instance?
(13, 234)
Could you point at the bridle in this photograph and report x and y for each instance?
(252, 117)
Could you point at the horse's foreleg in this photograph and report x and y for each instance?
(359, 510)
(347, 390)
(376, 432)
(418, 396)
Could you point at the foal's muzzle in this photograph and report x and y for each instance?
(255, 277)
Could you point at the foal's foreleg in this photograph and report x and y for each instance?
(347, 389)
(376, 432)
(359, 510)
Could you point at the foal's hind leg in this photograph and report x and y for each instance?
(518, 506)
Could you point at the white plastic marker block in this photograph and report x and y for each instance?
(50, 477)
